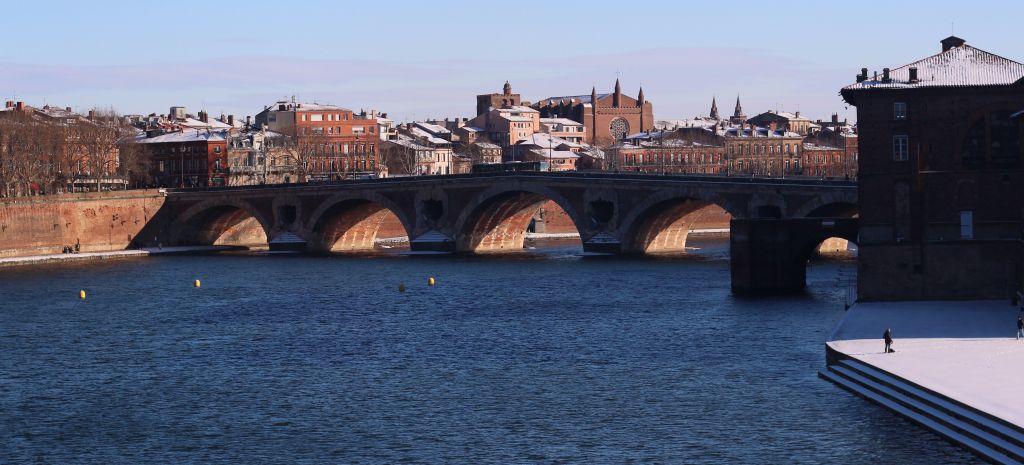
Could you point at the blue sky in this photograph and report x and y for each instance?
(418, 59)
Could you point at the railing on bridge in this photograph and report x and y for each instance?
(685, 177)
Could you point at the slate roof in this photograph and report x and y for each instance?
(960, 66)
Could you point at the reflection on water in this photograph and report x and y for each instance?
(541, 357)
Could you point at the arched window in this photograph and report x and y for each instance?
(993, 138)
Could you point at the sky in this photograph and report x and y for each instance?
(417, 60)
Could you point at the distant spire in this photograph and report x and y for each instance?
(616, 98)
(640, 97)
(714, 109)
(739, 108)
(593, 95)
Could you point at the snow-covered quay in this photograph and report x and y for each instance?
(957, 369)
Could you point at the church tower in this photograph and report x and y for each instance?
(714, 110)
(507, 90)
(640, 103)
(617, 97)
(737, 115)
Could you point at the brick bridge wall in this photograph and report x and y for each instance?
(97, 221)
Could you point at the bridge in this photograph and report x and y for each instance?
(776, 223)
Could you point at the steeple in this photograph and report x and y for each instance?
(507, 90)
(593, 96)
(737, 115)
(640, 98)
(714, 109)
(617, 97)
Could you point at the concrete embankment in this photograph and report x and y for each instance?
(955, 369)
(97, 222)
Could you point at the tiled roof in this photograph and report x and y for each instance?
(957, 67)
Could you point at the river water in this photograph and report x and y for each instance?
(548, 357)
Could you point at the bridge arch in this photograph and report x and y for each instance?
(221, 222)
(662, 222)
(496, 220)
(814, 244)
(828, 205)
(351, 222)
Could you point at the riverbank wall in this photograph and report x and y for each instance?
(954, 369)
(97, 222)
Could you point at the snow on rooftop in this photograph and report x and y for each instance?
(188, 135)
(433, 128)
(562, 121)
(957, 67)
(699, 122)
(519, 108)
(556, 154)
(569, 98)
(546, 140)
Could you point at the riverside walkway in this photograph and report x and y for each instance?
(107, 255)
(956, 369)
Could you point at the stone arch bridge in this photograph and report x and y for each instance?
(773, 219)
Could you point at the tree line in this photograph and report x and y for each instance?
(49, 155)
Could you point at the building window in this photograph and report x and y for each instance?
(899, 110)
(900, 148)
(966, 224)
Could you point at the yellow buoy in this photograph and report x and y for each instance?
(198, 283)
(401, 287)
(431, 281)
(81, 294)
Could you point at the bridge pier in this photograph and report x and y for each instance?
(769, 256)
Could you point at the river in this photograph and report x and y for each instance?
(547, 357)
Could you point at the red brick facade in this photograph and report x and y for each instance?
(941, 181)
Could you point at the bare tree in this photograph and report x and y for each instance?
(398, 158)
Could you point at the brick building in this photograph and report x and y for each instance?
(941, 183)
(188, 158)
(488, 102)
(791, 122)
(769, 151)
(678, 151)
(606, 118)
(331, 142)
(831, 152)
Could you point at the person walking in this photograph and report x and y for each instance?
(1020, 327)
(887, 335)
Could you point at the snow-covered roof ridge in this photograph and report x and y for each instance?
(959, 66)
(188, 135)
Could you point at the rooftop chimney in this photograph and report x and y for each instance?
(913, 74)
(92, 114)
(951, 41)
(68, 109)
(885, 74)
(9, 104)
(231, 120)
(20, 106)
